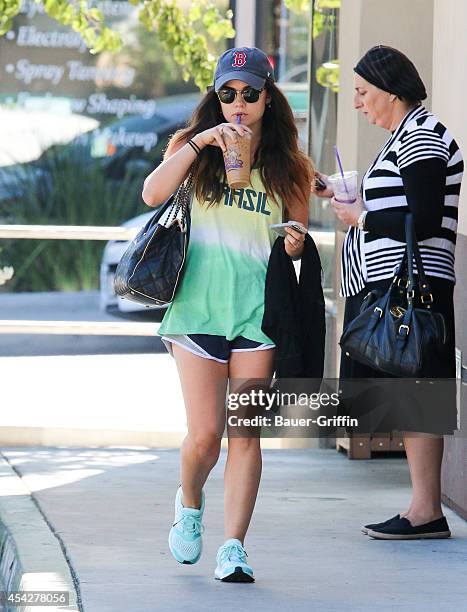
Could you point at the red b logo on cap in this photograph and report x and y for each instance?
(239, 59)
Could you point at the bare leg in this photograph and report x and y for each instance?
(424, 456)
(204, 384)
(244, 463)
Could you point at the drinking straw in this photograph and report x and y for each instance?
(336, 151)
(239, 118)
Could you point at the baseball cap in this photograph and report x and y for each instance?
(248, 64)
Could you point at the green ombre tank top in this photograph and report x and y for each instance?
(222, 290)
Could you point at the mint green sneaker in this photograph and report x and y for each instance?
(185, 541)
(231, 563)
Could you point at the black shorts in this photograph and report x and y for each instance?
(214, 347)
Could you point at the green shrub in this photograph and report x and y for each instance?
(67, 187)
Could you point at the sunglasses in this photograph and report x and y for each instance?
(227, 94)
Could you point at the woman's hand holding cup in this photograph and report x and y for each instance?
(348, 213)
(217, 135)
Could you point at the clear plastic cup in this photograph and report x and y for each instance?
(345, 189)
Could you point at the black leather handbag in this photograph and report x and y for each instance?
(151, 268)
(392, 334)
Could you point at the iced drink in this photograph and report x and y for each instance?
(345, 188)
(237, 161)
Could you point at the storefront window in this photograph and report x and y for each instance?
(322, 126)
(305, 58)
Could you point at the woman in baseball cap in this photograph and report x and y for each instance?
(213, 327)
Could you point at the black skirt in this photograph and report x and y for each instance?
(391, 406)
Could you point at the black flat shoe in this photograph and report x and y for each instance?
(402, 529)
(365, 528)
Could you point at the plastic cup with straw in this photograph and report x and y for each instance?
(344, 184)
(237, 160)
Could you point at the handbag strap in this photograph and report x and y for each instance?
(181, 201)
(412, 252)
(409, 248)
(423, 282)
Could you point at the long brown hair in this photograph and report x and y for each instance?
(284, 169)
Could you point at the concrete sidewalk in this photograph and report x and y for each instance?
(112, 509)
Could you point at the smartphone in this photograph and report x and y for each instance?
(279, 228)
(320, 185)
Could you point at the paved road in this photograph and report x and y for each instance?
(70, 306)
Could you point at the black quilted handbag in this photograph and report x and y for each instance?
(391, 334)
(151, 268)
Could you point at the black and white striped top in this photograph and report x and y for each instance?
(419, 169)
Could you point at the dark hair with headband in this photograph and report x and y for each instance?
(391, 70)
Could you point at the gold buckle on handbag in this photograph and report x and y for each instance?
(397, 311)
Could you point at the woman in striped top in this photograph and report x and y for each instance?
(419, 170)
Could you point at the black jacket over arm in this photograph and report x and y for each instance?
(294, 315)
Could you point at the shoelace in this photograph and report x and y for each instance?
(190, 524)
(233, 552)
